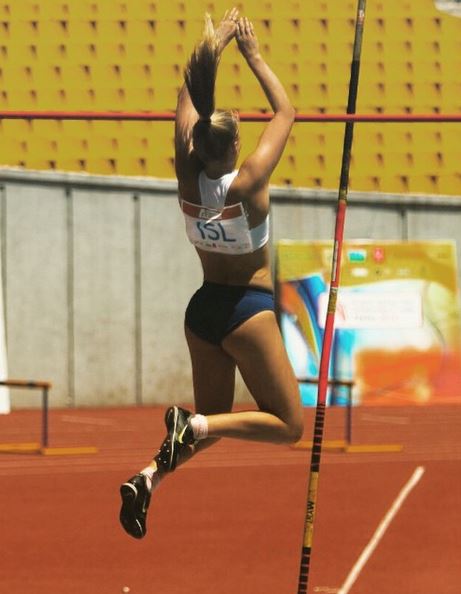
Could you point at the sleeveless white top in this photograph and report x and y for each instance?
(214, 227)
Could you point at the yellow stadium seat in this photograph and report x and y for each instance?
(312, 163)
(16, 77)
(359, 182)
(397, 136)
(427, 70)
(56, 30)
(196, 10)
(451, 96)
(339, 72)
(450, 138)
(313, 30)
(20, 54)
(392, 183)
(429, 95)
(80, 98)
(427, 160)
(330, 181)
(450, 68)
(326, 9)
(104, 76)
(118, 10)
(391, 8)
(24, 30)
(21, 99)
(171, 10)
(139, 99)
(399, 160)
(288, 29)
(169, 49)
(101, 145)
(425, 8)
(228, 95)
(286, 170)
(313, 96)
(277, 10)
(368, 162)
(131, 165)
(49, 98)
(338, 93)
(449, 183)
(110, 51)
(47, 76)
(70, 147)
(75, 76)
(310, 68)
(157, 74)
(165, 98)
(375, 28)
(229, 69)
(37, 163)
(399, 29)
(84, 31)
(450, 27)
(11, 150)
(341, 30)
(418, 183)
(112, 99)
(15, 11)
(51, 10)
(173, 31)
(64, 163)
(99, 165)
(129, 51)
(46, 51)
(84, 9)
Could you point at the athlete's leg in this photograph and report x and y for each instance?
(213, 372)
(258, 350)
(213, 377)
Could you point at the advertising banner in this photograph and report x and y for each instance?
(397, 323)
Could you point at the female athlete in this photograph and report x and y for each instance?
(230, 320)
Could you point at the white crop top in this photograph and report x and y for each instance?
(213, 227)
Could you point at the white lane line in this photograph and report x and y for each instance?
(379, 533)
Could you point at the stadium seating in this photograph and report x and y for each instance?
(123, 55)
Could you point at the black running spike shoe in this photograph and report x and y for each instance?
(135, 503)
(180, 436)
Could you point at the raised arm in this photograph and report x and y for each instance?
(258, 167)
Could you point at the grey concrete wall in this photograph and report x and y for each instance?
(97, 273)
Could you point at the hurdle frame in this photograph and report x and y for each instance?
(332, 383)
(345, 445)
(43, 447)
(45, 387)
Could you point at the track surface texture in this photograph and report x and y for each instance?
(231, 521)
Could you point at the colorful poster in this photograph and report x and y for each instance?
(397, 323)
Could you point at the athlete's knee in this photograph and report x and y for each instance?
(295, 431)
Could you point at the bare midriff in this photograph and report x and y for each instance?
(243, 270)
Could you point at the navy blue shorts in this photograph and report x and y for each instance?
(215, 310)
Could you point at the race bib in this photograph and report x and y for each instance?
(225, 232)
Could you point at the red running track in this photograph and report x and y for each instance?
(232, 520)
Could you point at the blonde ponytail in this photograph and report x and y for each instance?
(201, 71)
(215, 131)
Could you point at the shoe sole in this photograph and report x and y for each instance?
(128, 520)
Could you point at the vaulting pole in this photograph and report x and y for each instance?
(330, 318)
